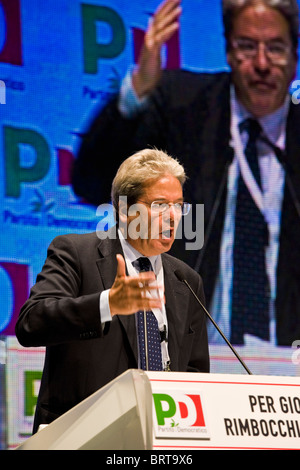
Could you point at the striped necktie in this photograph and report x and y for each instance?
(149, 340)
(250, 294)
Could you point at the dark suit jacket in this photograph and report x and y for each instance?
(189, 117)
(62, 314)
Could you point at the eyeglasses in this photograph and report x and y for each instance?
(158, 207)
(276, 51)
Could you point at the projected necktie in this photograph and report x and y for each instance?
(150, 350)
(250, 295)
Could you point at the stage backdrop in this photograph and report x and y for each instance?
(59, 61)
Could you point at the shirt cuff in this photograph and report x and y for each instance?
(129, 103)
(105, 314)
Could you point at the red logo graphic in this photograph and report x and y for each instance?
(12, 49)
(198, 407)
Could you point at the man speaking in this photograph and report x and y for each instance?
(107, 302)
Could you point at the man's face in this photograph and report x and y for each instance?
(158, 228)
(261, 85)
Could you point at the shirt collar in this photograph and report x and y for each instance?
(272, 124)
(131, 254)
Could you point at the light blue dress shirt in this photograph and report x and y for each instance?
(272, 175)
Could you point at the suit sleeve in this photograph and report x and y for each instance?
(56, 311)
(110, 139)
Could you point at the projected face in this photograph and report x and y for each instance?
(262, 59)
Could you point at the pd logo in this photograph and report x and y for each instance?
(179, 415)
(26, 145)
(113, 40)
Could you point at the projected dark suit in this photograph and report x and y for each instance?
(189, 116)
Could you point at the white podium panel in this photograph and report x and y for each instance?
(225, 411)
(116, 417)
(169, 410)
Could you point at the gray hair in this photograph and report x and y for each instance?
(288, 8)
(137, 170)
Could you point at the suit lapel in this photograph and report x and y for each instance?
(175, 306)
(107, 266)
(290, 224)
(107, 263)
(210, 136)
(215, 151)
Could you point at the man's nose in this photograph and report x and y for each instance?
(261, 61)
(170, 215)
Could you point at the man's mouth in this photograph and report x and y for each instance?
(262, 85)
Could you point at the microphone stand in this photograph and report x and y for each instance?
(146, 339)
(181, 278)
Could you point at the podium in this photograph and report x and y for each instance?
(169, 410)
(116, 417)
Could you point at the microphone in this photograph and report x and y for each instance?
(181, 278)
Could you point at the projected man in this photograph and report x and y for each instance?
(237, 136)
